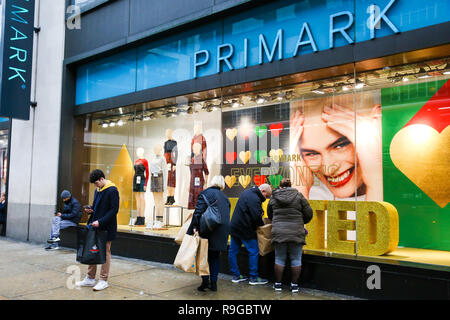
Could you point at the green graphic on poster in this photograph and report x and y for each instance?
(416, 161)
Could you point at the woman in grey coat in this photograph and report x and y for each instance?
(289, 211)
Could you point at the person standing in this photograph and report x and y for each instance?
(103, 215)
(70, 217)
(289, 211)
(247, 217)
(218, 239)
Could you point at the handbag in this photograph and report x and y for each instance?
(187, 254)
(91, 246)
(210, 219)
(180, 236)
(264, 234)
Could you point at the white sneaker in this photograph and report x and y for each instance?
(101, 284)
(87, 282)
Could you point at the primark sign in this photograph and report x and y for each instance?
(17, 34)
(315, 30)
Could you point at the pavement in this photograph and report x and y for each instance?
(28, 272)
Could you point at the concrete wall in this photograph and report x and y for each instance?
(122, 22)
(33, 174)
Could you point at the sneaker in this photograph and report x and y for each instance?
(87, 282)
(53, 240)
(101, 285)
(239, 278)
(278, 287)
(258, 281)
(51, 247)
(294, 287)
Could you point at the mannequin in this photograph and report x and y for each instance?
(199, 175)
(140, 180)
(171, 155)
(158, 173)
(198, 138)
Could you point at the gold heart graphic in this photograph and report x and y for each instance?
(276, 154)
(423, 155)
(245, 181)
(245, 156)
(231, 133)
(230, 181)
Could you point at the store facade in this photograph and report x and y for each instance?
(342, 97)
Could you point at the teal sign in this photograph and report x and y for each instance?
(17, 50)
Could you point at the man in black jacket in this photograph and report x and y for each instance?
(70, 217)
(103, 215)
(247, 216)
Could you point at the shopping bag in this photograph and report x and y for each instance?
(91, 246)
(264, 234)
(187, 253)
(183, 230)
(202, 258)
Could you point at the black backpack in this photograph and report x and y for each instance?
(210, 219)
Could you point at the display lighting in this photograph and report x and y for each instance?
(260, 99)
(281, 96)
(446, 72)
(120, 123)
(425, 76)
(359, 85)
(405, 79)
(236, 104)
(345, 88)
(105, 124)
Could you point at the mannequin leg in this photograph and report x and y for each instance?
(159, 205)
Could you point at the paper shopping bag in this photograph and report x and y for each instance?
(183, 230)
(264, 234)
(202, 258)
(187, 254)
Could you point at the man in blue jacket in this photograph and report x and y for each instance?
(103, 215)
(247, 217)
(70, 217)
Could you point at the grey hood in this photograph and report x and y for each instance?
(285, 196)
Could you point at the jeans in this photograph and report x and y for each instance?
(295, 253)
(214, 265)
(253, 256)
(59, 224)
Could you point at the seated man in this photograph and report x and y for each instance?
(70, 217)
(2, 211)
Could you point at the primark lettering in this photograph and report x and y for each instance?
(226, 51)
(18, 56)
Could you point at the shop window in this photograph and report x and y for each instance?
(368, 150)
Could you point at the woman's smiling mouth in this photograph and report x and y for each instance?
(341, 179)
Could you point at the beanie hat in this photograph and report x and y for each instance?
(65, 194)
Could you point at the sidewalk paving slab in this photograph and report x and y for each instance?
(28, 272)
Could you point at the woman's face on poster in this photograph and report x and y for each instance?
(331, 157)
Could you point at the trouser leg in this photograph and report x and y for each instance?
(104, 271)
(235, 245)
(55, 227)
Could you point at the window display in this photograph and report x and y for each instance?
(171, 155)
(370, 151)
(140, 180)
